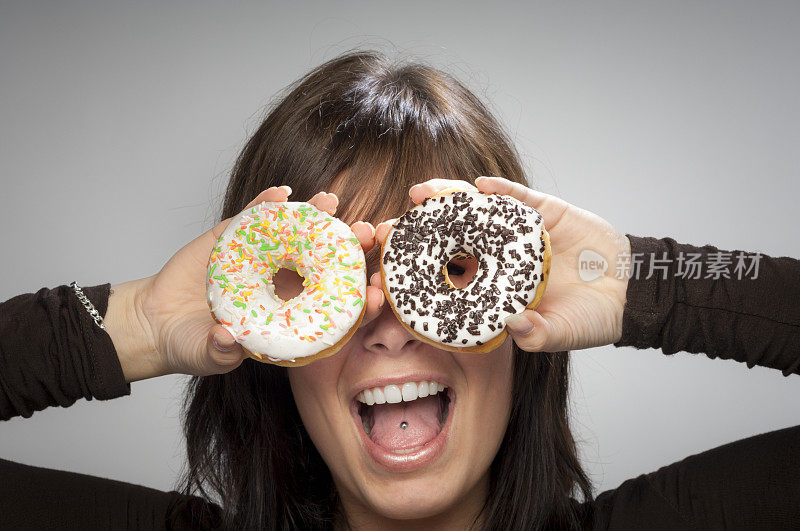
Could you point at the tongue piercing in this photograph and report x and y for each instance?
(403, 425)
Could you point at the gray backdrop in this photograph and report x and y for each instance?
(120, 123)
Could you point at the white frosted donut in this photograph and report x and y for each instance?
(296, 236)
(511, 247)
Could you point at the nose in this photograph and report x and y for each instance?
(386, 335)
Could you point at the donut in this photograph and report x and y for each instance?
(509, 242)
(240, 291)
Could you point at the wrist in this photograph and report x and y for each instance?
(621, 288)
(131, 333)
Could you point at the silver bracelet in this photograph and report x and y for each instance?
(98, 319)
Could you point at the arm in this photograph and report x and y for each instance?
(41, 498)
(52, 353)
(752, 320)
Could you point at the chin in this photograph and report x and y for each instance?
(410, 499)
(428, 497)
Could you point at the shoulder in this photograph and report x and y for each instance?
(37, 498)
(192, 512)
(754, 482)
(636, 504)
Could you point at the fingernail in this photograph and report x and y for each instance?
(223, 343)
(519, 324)
(368, 224)
(288, 189)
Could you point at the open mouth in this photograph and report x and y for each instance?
(404, 418)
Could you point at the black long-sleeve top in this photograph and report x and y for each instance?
(52, 353)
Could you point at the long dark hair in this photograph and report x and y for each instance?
(368, 128)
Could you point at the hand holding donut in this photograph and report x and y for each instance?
(573, 314)
(162, 325)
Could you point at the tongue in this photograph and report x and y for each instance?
(421, 418)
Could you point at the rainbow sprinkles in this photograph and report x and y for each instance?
(293, 235)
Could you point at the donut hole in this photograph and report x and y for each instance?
(288, 284)
(460, 270)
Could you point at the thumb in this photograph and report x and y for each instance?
(532, 332)
(223, 353)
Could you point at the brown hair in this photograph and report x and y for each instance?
(369, 128)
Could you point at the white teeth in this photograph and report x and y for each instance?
(409, 391)
(368, 398)
(422, 389)
(377, 393)
(395, 393)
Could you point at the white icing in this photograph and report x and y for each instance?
(292, 235)
(428, 236)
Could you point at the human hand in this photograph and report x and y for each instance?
(162, 324)
(573, 313)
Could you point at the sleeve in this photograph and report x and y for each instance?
(52, 352)
(751, 315)
(41, 498)
(726, 304)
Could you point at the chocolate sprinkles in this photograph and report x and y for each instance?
(503, 234)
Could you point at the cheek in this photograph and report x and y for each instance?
(489, 387)
(315, 394)
(490, 374)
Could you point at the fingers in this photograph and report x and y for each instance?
(274, 194)
(223, 353)
(549, 206)
(533, 333)
(420, 192)
(325, 202)
(375, 302)
(375, 280)
(375, 299)
(365, 233)
(383, 229)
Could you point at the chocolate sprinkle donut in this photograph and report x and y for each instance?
(505, 237)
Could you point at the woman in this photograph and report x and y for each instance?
(279, 448)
